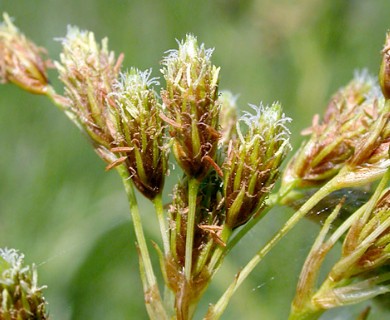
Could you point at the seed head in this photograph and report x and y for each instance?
(20, 296)
(88, 70)
(21, 61)
(192, 110)
(138, 130)
(353, 132)
(252, 164)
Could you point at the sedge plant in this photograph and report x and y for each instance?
(229, 166)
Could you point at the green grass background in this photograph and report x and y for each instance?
(59, 207)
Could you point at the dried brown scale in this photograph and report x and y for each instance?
(215, 232)
(366, 262)
(384, 202)
(154, 184)
(213, 164)
(178, 211)
(367, 147)
(351, 240)
(178, 214)
(333, 160)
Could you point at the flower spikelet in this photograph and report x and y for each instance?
(89, 70)
(139, 130)
(353, 132)
(192, 110)
(252, 164)
(21, 61)
(20, 296)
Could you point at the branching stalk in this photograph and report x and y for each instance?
(151, 291)
(193, 186)
(159, 207)
(222, 303)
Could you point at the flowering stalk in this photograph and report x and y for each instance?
(138, 139)
(192, 112)
(230, 166)
(251, 168)
(360, 116)
(364, 121)
(121, 119)
(89, 72)
(215, 311)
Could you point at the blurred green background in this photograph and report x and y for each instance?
(59, 207)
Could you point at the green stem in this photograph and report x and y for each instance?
(193, 185)
(159, 207)
(306, 314)
(139, 233)
(222, 303)
(302, 307)
(152, 295)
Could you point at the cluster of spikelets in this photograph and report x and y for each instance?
(230, 165)
(228, 173)
(345, 154)
(20, 296)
